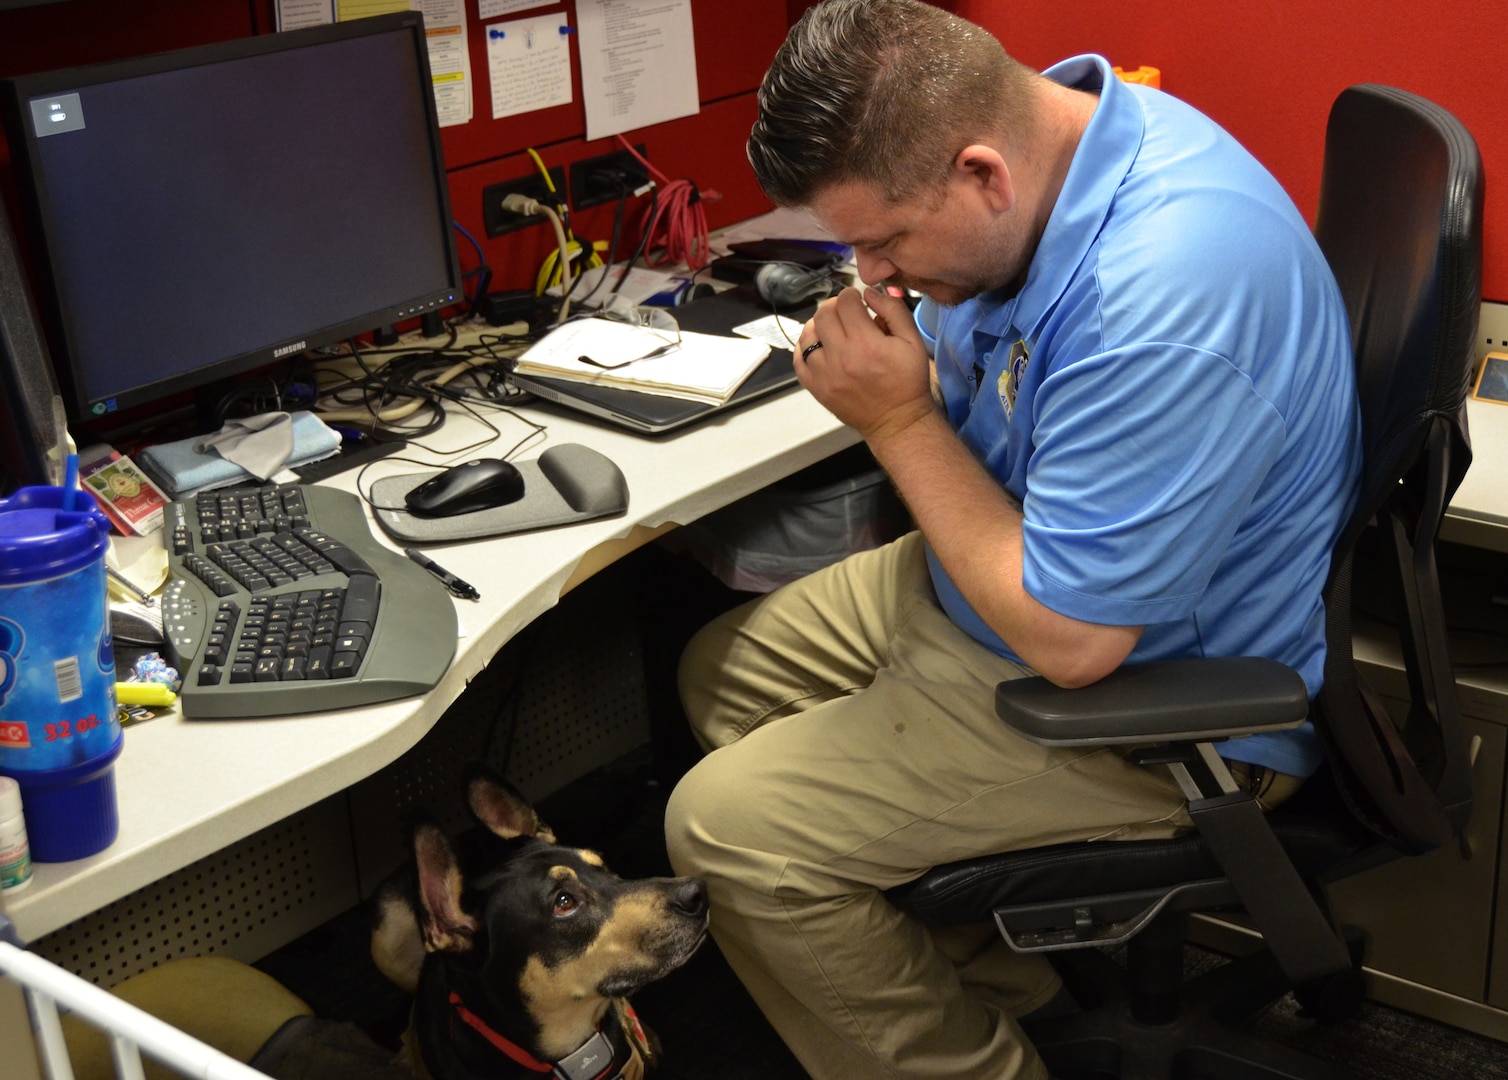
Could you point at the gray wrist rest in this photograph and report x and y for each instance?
(564, 485)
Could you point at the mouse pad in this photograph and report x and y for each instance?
(565, 484)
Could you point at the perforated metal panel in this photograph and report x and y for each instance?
(563, 698)
(242, 902)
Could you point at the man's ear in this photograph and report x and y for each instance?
(444, 924)
(499, 807)
(985, 171)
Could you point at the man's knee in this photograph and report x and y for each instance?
(702, 806)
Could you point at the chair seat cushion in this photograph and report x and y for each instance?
(970, 890)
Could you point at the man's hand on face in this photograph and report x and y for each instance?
(872, 372)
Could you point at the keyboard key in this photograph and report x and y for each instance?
(362, 593)
(343, 665)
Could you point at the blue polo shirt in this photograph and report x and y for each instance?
(1170, 395)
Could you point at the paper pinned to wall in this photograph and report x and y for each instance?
(638, 63)
(346, 10)
(449, 58)
(529, 61)
(296, 14)
(445, 34)
(492, 9)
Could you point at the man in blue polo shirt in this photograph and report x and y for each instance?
(1124, 421)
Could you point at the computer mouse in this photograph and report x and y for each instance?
(466, 488)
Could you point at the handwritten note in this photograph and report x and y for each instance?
(530, 64)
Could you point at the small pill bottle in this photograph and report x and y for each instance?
(15, 852)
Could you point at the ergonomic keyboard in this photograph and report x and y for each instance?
(281, 602)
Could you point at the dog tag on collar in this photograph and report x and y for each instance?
(590, 1061)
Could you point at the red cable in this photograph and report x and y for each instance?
(677, 222)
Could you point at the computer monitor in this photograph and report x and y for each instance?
(31, 442)
(201, 213)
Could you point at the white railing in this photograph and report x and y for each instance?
(131, 1031)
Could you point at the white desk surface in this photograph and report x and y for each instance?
(189, 788)
(1478, 515)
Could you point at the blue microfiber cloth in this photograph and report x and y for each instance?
(181, 470)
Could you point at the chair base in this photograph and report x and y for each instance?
(1199, 1041)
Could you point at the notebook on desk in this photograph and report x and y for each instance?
(654, 414)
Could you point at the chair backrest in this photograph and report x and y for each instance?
(1399, 220)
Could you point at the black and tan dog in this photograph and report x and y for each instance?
(521, 954)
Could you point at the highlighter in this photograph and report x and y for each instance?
(144, 693)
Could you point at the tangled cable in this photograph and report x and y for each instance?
(677, 218)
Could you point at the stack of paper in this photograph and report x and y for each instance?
(703, 367)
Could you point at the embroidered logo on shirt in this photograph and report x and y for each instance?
(1010, 377)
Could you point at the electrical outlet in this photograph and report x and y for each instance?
(499, 221)
(589, 187)
(1492, 331)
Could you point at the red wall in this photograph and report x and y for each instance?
(734, 43)
(1268, 70)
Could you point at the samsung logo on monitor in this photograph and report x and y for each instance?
(297, 346)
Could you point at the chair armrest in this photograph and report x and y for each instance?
(1194, 700)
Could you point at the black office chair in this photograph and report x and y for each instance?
(1400, 222)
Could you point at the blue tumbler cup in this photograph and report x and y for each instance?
(59, 732)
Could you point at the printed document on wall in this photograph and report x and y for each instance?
(449, 59)
(530, 64)
(638, 63)
(493, 9)
(445, 34)
(296, 14)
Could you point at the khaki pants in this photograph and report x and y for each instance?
(854, 744)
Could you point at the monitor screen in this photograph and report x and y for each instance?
(200, 213)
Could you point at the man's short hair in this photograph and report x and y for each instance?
(881, 91)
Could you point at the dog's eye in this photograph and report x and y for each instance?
(565, 903)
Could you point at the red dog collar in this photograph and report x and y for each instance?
(601, 1057)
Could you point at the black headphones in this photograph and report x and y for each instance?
(788, 284)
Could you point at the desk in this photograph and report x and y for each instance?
(188, 789)
(1478, 515)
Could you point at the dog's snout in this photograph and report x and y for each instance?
(690, 898)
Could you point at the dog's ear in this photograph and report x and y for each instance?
(397, 945)
(443, 923)
(500, 807)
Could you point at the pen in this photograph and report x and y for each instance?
(456, 586)
(130, 586)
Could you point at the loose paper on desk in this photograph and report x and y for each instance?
(641, 284)
(529, 61)
(638, 63)
(705, 367)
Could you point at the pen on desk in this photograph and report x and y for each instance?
(456, 586)
(129, 585)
